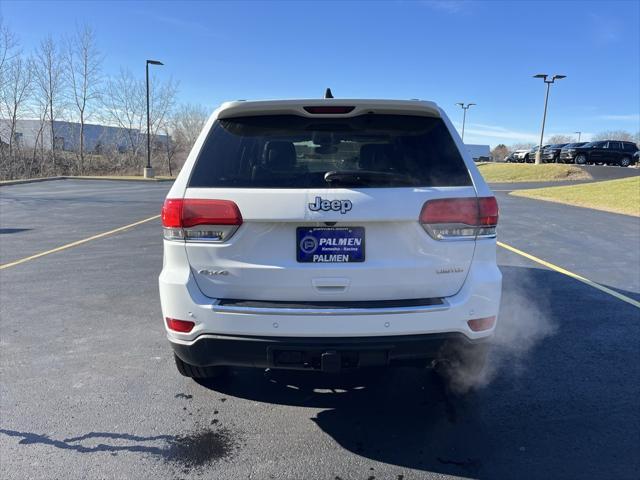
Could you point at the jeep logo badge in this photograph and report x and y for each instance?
(342, 206)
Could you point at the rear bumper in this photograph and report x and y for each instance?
(318, 353)
(181, 298)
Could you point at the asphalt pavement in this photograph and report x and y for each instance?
(610, 172)
(88, 388)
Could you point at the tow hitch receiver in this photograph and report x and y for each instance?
(331, 362)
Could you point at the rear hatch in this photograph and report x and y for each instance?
(330, 209)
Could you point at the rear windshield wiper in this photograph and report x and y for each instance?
(365, 177)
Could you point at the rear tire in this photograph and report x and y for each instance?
(192, 371)
(581, 160)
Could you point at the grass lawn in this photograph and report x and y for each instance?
(528, 172)
(619, 196)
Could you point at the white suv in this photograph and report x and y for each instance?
(325, 235)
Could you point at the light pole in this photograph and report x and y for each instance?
(579, 133)
(148, 171)
(546, 100)
(464, 115)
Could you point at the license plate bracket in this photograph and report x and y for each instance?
(330, 244)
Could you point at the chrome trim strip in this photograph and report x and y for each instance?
(329, 311)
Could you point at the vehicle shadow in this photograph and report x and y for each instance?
(562, 401)
(5, 231)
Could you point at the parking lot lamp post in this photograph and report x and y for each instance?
(148, 171)
(464, 115)
(544, 116)
(579, 134)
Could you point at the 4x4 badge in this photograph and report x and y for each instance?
(342, 206)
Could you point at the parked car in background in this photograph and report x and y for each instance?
(551, 153)
(511, 158)
(567, 153)
(519, 155)
(530, 156)
(605, 152)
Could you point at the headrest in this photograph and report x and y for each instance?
(279, 155)
(376, 156)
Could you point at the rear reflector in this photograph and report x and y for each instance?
(460, 218)
(479, 324)
(326, 110)
(182, 326)
(216, 220)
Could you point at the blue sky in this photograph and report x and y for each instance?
(482, 52)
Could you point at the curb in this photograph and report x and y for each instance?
(70, 177)
(29, 180)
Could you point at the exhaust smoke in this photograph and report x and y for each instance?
(523, 322)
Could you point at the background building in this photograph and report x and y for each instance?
(97, 138)
(479, 153)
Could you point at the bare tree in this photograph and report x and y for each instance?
(49, 73)
(83, 74)
(124, 105)
(41, 109)
(14, 94)
(499, 152)
(181, 129)
(187, 123)
(8, 46)
(614, 135)
(162, 101)
(171, 147)
(555, 139)
(522, 146)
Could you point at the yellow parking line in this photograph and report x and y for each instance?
(575, 276)
(79, 242)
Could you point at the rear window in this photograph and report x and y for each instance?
(288, 151)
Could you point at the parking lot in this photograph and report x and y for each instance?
(89, 389)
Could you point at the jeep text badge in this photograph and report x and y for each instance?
(342, 206)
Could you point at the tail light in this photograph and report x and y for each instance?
(460, 218)
(198, 220)
(182, 326)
